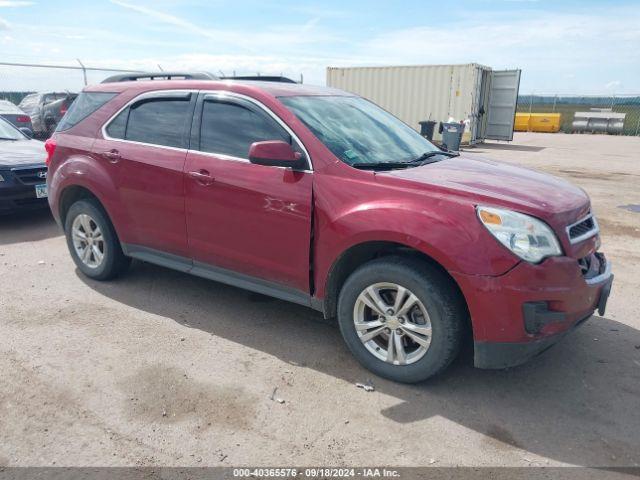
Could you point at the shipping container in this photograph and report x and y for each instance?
(484, 98)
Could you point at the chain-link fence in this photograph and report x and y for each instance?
(18, 80)
(568, 105)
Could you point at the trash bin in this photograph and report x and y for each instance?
(452, 135)
(426, 129)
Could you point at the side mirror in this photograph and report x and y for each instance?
(27, 131)
(276, 153)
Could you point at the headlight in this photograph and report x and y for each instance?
(529, 238)
(1, 178)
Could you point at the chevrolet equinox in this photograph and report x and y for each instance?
(319, 197)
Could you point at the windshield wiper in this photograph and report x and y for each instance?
(382, 165)
(427, 155)
(421, 160)
(7, 138)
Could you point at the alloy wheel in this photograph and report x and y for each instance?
(88, 240)
(392, 323)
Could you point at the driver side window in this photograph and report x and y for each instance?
(230, 128)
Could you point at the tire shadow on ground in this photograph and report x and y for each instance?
(577, 403)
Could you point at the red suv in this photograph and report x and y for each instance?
(319, 197)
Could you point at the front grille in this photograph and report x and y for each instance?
(31, 176)
(583, 229)
(592, 265)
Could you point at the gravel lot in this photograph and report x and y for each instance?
(161, 368)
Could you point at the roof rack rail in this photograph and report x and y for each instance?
(131, 77)
(260, 78)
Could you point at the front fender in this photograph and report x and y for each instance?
(445, 228)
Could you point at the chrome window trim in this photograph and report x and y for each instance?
(143, 96)
(591, 233)
(214, 95)
(222, 94)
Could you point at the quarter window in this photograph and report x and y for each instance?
(84, 105)
(230, 129)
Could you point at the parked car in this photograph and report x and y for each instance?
(46, 110)
(319, 197)
(14, 115)
(23, 171)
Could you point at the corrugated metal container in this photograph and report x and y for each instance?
(438, 91)
(424, 92)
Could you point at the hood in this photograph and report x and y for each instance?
(21, 153)
(501, 184)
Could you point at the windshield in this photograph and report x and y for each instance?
(9, 132)
(357, 131)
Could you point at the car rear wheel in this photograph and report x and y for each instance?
(401, 318)
(92, 241)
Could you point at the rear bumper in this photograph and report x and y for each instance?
(522, 313)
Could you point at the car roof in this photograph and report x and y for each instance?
(9, 107)
(277, 89)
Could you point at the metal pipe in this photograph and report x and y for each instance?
(68, 67)
(84, 71)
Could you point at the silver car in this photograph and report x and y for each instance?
(15, 115)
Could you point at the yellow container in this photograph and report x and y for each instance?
(544, 122)
(537, 122)
(522, 122)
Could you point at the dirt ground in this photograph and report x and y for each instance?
(161, 368)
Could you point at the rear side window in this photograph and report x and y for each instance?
(230, 129)
(84, 105)
(158, 121)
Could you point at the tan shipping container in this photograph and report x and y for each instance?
(437, 92)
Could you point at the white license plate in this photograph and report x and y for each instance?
(41, 190)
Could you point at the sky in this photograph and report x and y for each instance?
(578, 47)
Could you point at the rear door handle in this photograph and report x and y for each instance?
(202, 176)
(112, 155)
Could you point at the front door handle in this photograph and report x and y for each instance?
(112, 155)
(202, 176)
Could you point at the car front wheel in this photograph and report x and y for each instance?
(401, 318)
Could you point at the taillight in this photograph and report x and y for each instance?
(23, 119)
(50, 147)
(63, 109)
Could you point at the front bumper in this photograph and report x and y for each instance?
(506, 354)
(17, 196)
(522, 313)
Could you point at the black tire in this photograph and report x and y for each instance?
(114, 262)
(445, 307)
